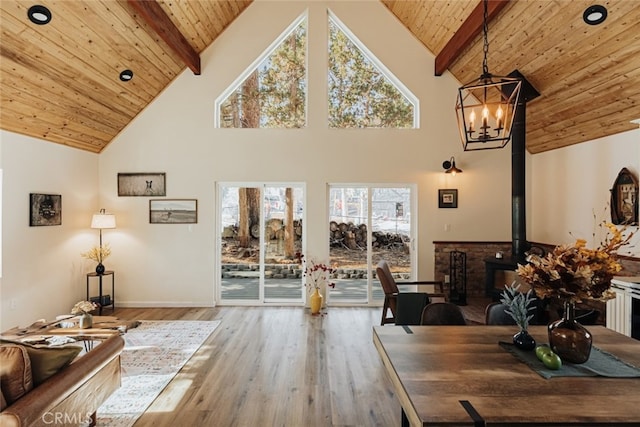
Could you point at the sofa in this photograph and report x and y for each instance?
(69, 397)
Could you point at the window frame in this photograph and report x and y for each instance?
(217, 122)
(404, 90)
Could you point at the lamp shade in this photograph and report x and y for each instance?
(103, 220)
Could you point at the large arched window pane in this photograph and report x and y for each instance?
(273, 93)
(362, 92)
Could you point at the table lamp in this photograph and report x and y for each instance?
(102, 220)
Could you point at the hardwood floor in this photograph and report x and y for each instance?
(277, 366)
(280, 366)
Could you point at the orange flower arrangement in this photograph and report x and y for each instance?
(574, 272)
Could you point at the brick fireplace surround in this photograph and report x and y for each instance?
(478, 252)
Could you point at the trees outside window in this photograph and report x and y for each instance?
(361, 93)
(272, 95)
(367, 224)
(260, 232)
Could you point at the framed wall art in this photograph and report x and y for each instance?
(142, 184)
(45, 209)
(176, 211)
(624, 199)
(448, 198)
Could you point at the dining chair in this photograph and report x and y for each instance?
(391, 291)
(409, 306)
(495, 314)
(442, 313)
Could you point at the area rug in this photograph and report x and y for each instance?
(153, 354)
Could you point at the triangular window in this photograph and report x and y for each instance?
(363, 93)
(272, 92)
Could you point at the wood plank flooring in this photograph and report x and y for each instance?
(277, 366)
(280, 366)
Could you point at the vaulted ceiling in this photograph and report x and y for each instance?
(60, 81)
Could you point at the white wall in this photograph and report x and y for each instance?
(174, 264)
(572, 184)
(43, 273)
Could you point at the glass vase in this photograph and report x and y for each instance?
(568, 338)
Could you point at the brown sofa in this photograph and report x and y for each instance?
(73, 394)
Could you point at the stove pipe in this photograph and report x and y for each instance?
(519, 244)
(518, 202)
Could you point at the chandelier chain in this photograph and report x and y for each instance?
(485, 30)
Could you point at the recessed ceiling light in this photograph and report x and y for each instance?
(126, 75)
(636, 122)
(594, 15)
(39, 15)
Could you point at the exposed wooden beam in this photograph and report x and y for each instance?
(469, 29)
(155, 16)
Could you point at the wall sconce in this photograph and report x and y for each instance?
(450, 166)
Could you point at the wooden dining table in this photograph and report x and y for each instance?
(462, 376)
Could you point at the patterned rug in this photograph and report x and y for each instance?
(153, 354)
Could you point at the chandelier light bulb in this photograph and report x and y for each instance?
(485, 118)
(499, 114)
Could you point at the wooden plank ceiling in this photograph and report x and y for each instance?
(588, 76)
(60, 82)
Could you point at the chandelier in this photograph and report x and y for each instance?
(485, 107)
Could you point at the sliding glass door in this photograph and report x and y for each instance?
(260, 229)
(369, 223)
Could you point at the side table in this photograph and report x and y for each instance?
(102, 299)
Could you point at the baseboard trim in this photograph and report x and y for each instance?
(162, 304)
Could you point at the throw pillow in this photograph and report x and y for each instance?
(15, 373)
(46, 361)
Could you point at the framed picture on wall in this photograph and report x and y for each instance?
(448, 198)
(624, 199)
(176, 211)
(142, 184)
(45, 209)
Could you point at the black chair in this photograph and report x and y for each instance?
(409, 306)
(442, 313)
(494, 314)
(391, 291)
